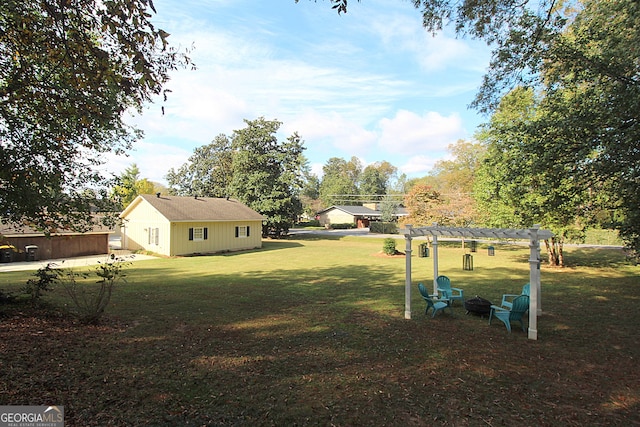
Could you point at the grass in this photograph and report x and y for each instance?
(311, 331)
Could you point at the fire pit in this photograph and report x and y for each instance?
(478, 306)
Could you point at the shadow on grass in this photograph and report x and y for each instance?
(262, 340)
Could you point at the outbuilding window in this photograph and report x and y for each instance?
(243, 231)
(198, 233)
(154, 236)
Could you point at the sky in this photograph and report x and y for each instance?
(372, 83)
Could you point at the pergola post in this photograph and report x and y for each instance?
(534, 282)
(407, 284)
(435, 264)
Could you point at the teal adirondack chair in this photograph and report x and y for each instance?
(432, 302)
(507, 299)
(519, 306)
(444, 287)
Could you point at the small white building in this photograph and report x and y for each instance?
(174, 225)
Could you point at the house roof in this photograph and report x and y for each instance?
(187, 209)
(351, 210)
(362, 210)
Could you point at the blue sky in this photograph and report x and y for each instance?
(371, 83)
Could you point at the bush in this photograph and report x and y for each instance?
(45, 277)
(383, 227)
(310, 223)
(389, 246)
(90, 301)
(345, 226)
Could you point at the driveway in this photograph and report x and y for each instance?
(70, 262)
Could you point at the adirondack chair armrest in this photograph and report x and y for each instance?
(459, 290)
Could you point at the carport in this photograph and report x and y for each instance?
(534, 235)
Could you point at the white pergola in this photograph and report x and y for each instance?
(534, 235)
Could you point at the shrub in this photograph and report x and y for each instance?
(383, 227)
(45, 277)
(389, 246)
(345, 226)
(89, 301)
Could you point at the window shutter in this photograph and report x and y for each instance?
(237, 232)
(191, 234)
(206, 233)
(248, 231)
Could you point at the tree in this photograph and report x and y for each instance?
(514, 190)
(422, 203)
(340, 181)
(131, 185)
(585, 134)
(267, 174)
(69, 70)
(310, 193)
(375, 179)
(208, 172)
(458, 174)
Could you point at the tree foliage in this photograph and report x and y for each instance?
(253, 166)
(422, 203)
(514, 191)
(267, 174)
(131, 185)
(208, 171)
(69, 70)
(340, 179)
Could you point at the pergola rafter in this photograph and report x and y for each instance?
(534, 235)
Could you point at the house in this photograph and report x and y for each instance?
(29, 244)
(361, 216)
(173, 225)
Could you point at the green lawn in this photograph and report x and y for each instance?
(311, 331)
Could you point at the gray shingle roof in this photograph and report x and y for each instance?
(182, 209)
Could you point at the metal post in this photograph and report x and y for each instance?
(407, 284)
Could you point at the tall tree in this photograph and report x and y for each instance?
(208, 172)
(512, 188)
(340, 181)
(458, 174)
(375, 179)
(131, 185)
(267, 173)
(68, 72)
(310, 193)
(423, 203)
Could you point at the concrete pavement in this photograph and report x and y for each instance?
(70, 262)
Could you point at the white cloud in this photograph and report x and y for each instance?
(354, 85)
(411, 134)
(418, 165)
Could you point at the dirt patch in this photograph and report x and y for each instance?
(383, 255)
